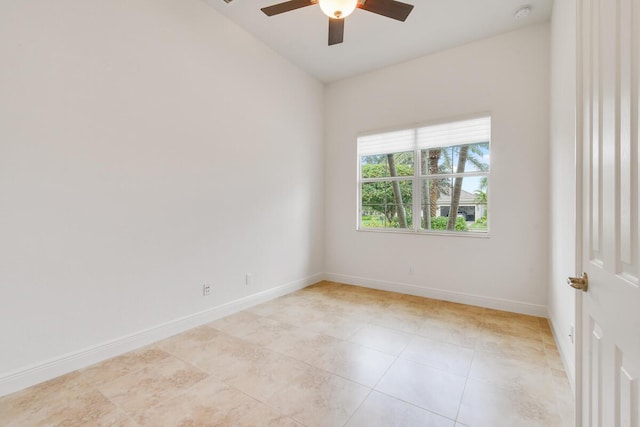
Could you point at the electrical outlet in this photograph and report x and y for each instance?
(411, 269)
(206, 290)
(249, 279)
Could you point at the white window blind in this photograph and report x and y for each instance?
(455, 133)
(443, 135)
(389, 142)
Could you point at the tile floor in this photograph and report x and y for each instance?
(328, 355)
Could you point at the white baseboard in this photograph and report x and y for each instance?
(569, 365)
(35, 374)
(43, 371)
(460, 297)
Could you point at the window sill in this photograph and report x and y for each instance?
(426, 233)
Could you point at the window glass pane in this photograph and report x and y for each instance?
(449, 186)
(436, 161)
(387, 204)
(471, 158)
(456, 159)
(478, 186)
(435, 195)
(439, 197)
(386, 165)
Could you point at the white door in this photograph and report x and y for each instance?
(608, 314)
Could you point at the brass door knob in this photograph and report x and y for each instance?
(581, 283)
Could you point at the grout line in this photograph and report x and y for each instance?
(415, 406)
(372, 389)
(464, 389)
(473, 358)
(306, 365)
(119, 407)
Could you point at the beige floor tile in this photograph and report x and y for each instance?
(530, 372)
(299, 343)
(560, 381)
(563, 396)
(352, 361)
(362, 313)
(492, 405)
(92, 410)
(208, 403)
(303, 309)
(267, 308)
(380, 410)
(299, 314)
(337, 326)
(116, 367)
(258, 330)
(260, 373)
(403, 322)
(414, 299)
(429, 388)
(407, 306)
(452, 358)
(457, 310)
(547, 336)
(263, 416)
(544, 324)
(512, 324)
(204, 354)
(238, 324)
(140, 390)
(553, 357)
(70, 409)
(458, 331)
(458, 313)
(310, 358)
(37, 402)
(509, 345)
(184, 343)
(319, 399)
(253, 369)
(383, 339)
(509, 316)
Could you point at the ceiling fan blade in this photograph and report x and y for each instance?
(336, 31)
(389, 8)
(286, 7)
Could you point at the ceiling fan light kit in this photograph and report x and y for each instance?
(337, 10)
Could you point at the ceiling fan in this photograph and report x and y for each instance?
(337, 10)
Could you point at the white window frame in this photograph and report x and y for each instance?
(417, 178)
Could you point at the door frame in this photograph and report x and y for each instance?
(579, 165)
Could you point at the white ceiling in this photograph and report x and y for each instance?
(372, 41)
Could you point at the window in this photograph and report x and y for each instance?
(413, 179)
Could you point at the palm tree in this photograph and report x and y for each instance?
(434, 188)
(473, 153)
(457, 188)
(481, 196)
(481, 193)
(397, 195)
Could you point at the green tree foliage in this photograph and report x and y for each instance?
(481, 193)
(378, 197)
(440, 223)
(385, 197)
(401, 213)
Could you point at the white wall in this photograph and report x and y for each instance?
(508, 76)
(563, 177)
(146, 147)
